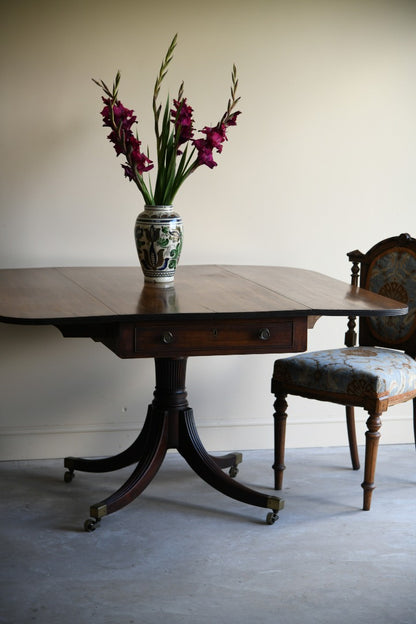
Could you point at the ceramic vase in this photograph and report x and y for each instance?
(158, 234)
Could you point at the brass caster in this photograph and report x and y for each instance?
(68, 476)
(233, 471)
(91, 524)
(238, 458)
(272, 517)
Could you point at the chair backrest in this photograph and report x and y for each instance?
(389, 269)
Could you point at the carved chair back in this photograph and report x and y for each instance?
(389, 269)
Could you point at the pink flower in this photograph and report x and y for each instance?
(204, 153)
(179, 153)
(128, 172)
(215, 137)
(123, 117)
(182, 118)
(120, 120)
(140, 160)
(232, 120)
(114, 138)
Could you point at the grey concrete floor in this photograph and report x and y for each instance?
(183, 553)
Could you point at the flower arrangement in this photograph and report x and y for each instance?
(178, 153)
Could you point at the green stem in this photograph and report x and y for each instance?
(159, 80)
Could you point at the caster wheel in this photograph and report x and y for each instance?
(68, 476)
(233, 472)
(91, 524)
(271, 517)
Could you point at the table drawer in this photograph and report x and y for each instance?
(223, 337)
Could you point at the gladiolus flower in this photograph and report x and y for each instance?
(215, 137)
(204, 153)
(120, 120)
(174, 126)
(232, 120)
(141, 162)
(182, 119)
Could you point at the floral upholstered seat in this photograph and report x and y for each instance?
(353, 373)
(378, 373)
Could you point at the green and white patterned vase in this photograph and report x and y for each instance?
(158, 233)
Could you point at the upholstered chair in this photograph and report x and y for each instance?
(375, 374)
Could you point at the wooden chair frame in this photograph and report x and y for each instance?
(360, 276)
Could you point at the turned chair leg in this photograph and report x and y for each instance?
(352, 437)
(372, 436)
(280, 406)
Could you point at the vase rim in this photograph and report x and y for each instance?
(163, 206)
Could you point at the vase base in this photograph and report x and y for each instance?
(159, 282)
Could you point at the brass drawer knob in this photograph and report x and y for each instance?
(167, 337)
(264, 334)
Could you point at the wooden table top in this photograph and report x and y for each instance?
(113, 294)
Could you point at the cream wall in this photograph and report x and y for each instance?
(321, 162)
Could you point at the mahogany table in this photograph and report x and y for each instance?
(211, 310)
